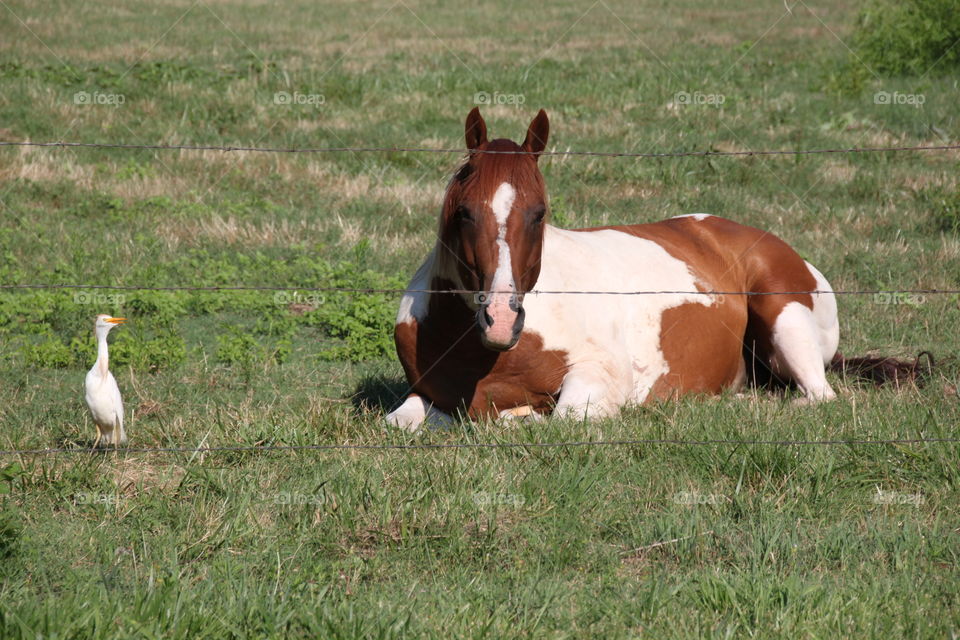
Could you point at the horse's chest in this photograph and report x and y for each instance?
(449, 365)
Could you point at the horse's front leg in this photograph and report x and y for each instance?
(415, 411)
(589, 391)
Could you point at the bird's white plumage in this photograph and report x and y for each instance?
(101, 391)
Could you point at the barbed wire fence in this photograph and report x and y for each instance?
(534, 292)
(602, 154)
(491, 445)
(362, 290)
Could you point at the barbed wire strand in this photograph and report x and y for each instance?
(375, 290)
(607, 154)
(481, 445)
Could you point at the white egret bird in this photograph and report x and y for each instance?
(103, 394)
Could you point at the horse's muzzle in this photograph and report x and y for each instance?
(501, 322)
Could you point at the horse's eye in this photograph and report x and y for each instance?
(462, 214)
(537, 215)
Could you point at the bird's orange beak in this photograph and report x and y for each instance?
(116, 320)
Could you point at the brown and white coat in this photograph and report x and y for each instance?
(500, 352)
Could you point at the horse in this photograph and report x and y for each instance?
(473, 335)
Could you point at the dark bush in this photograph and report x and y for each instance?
(909, 36)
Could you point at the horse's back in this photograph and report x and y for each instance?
(686, 339)
(722, 251)
(652, 315)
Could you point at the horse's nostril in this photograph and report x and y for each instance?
(486, 320)
(518, 322)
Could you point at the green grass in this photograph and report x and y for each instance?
(612, 542)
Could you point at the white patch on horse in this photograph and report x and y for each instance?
(699, 217)
(501, 204)
(797, 344)
(612, 341)
(415, 412)
(825, 312)
(414, 303)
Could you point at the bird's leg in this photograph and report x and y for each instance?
(96, 442)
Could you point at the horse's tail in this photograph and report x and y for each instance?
(885, 370)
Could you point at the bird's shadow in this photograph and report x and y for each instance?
(379, 393)
(72, 442)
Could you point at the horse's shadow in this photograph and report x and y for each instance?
(379, 393)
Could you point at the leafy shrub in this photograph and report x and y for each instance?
(908, 36)
(41, 312)
(363, 321)
(236, 347)
(162, 351)
(54, 328)
(160, 307)
(271, 339)
(51, 353)
(149, 354)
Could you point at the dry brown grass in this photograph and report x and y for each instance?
(47, 165)
(836, 171)
(134, 475)
(230, 231)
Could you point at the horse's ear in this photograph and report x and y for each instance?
(537, 133)
(476, 129)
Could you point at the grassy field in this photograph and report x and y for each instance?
(651, 541)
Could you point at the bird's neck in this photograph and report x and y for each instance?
(103, 357)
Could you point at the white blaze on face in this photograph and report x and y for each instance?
(502, 286)
(501, 204)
